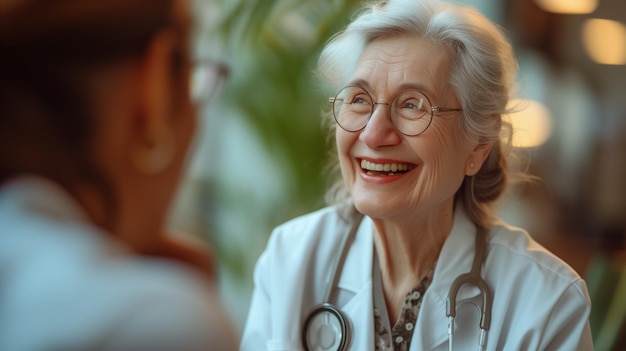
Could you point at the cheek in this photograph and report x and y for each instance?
(186, 123)
(445, 157)
(184, 115)
(192, 125)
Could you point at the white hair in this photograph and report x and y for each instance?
(482, 74)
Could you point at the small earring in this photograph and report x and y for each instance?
(472, 165)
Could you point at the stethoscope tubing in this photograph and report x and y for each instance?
(472, 277)
(326, 305)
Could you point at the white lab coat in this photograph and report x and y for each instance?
(539, 303)
(66, 285)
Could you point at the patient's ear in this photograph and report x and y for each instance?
(156, 81)
(152, 133)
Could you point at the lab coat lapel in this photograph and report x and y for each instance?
(431, 330)
(455, 259)
(356, 282)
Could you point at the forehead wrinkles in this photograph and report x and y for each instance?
(388, 63)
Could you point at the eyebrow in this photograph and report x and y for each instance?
(365, 85)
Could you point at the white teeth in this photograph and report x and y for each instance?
(386, 167)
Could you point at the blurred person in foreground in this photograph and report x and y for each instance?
(411, 255)
(95, 123)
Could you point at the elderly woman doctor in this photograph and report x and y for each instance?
(412, 257)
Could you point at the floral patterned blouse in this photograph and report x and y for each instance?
(399, 337)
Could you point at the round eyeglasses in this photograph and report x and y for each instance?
(411, 111)
(207, 77)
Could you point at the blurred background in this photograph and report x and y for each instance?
(260, 157)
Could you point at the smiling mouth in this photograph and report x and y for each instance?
(385, 169)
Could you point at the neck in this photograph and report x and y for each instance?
(93, 203)
(408, 250)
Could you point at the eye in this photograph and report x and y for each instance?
(413, 104)
(360, 99)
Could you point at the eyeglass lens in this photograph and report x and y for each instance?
(206, 80)
(411, 111)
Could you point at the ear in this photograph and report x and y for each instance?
(153, 142)
(154, 99)
(480, 152)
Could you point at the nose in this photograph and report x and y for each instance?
(379, 131)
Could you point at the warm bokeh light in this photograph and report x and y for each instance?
(605, 41)
(532, 123)
(568, 6)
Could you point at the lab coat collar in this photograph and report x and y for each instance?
(457, 255)
(455, 259)
(359, 259)
(356, 280)
(39, 195)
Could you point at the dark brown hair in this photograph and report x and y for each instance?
(46, 112)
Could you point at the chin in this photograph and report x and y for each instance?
(375, 207)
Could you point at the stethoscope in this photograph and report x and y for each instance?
(327, 328)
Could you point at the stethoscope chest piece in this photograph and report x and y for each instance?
(325, 329)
